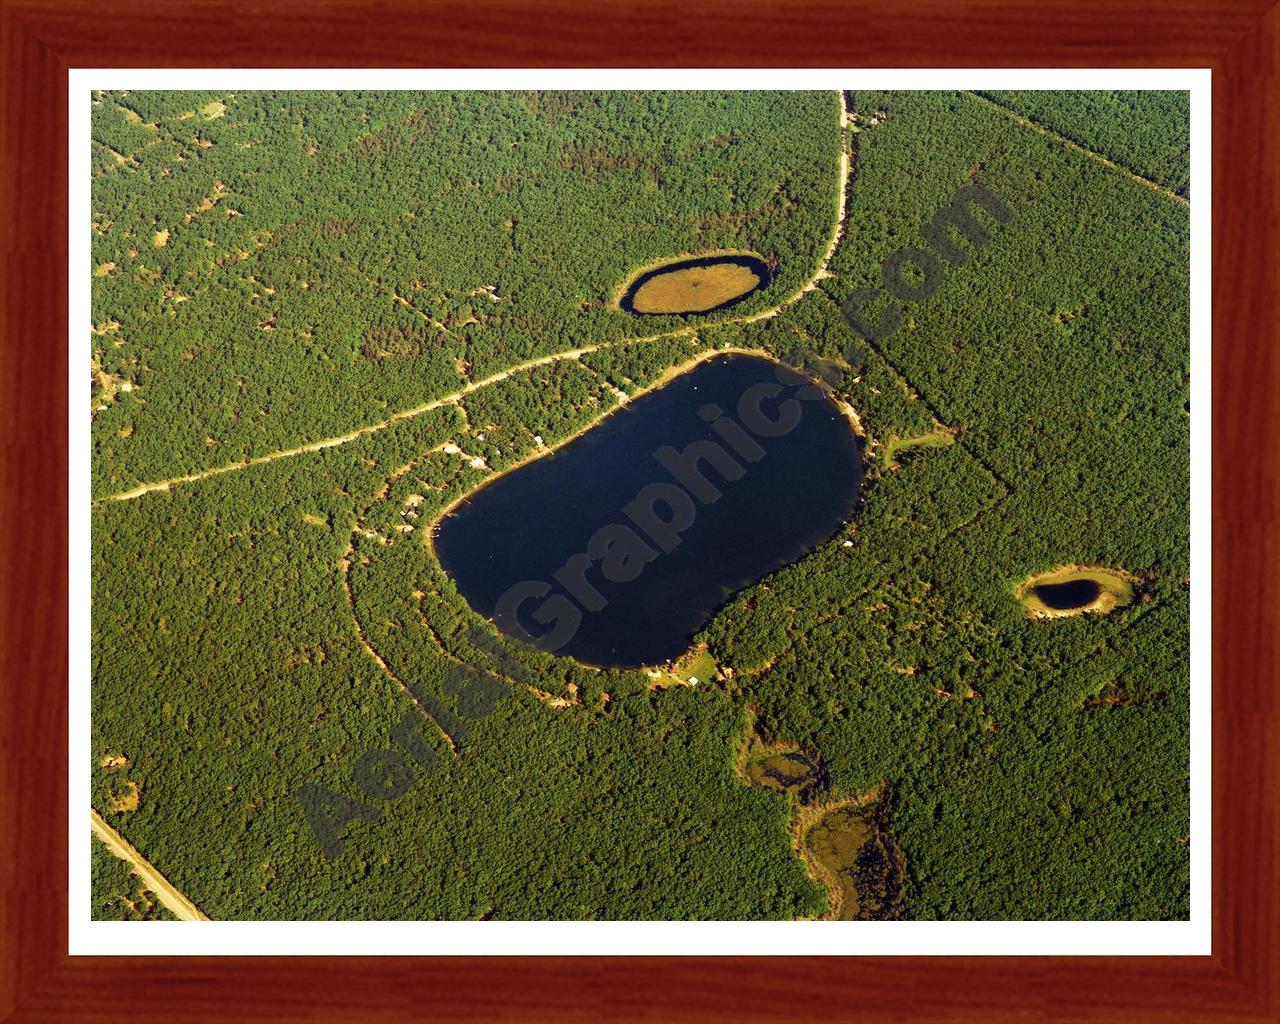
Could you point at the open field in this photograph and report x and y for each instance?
(939, 437)
(695, 289)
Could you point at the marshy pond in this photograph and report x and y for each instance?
(858, 856)
(704, 285)
(788, 772)
(618, 547)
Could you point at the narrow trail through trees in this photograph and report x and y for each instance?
(1063, 140)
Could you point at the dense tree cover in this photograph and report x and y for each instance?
(228, 668)
(118, 893)
(1038, 769)
(276, 268)
(547, 401)
(1059, 354)
(1146, 132)
(636, 365)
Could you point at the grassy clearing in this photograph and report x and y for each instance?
(128, 799)
(698, 664)
(695, 289)
(701, 666)
(939, 437)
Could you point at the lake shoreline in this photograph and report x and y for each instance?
(667, 376)
(531, 537)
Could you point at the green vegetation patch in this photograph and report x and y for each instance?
(335, 257)
(787, 772)
(698, 285)
(939, 437)
(855, 854)
(701, 665)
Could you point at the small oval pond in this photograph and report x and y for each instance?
(1074, 590)
(704, 285)
(617, 548)
(1072, 594)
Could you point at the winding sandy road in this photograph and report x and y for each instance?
(182, 908)
(333, 442)
(820, 271)
(836, 234)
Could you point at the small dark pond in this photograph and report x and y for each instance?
(619, 547)
(1068, 595)
(704, 285)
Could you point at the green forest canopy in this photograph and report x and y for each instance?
(1029, 769)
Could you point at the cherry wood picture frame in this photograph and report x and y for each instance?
(41, 39)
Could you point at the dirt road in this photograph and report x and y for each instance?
(183, 909)
(820, 271)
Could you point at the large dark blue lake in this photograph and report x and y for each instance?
(617, 548)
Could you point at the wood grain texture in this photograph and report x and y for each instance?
(40, 40)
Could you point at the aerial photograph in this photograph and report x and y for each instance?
(640, 505)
